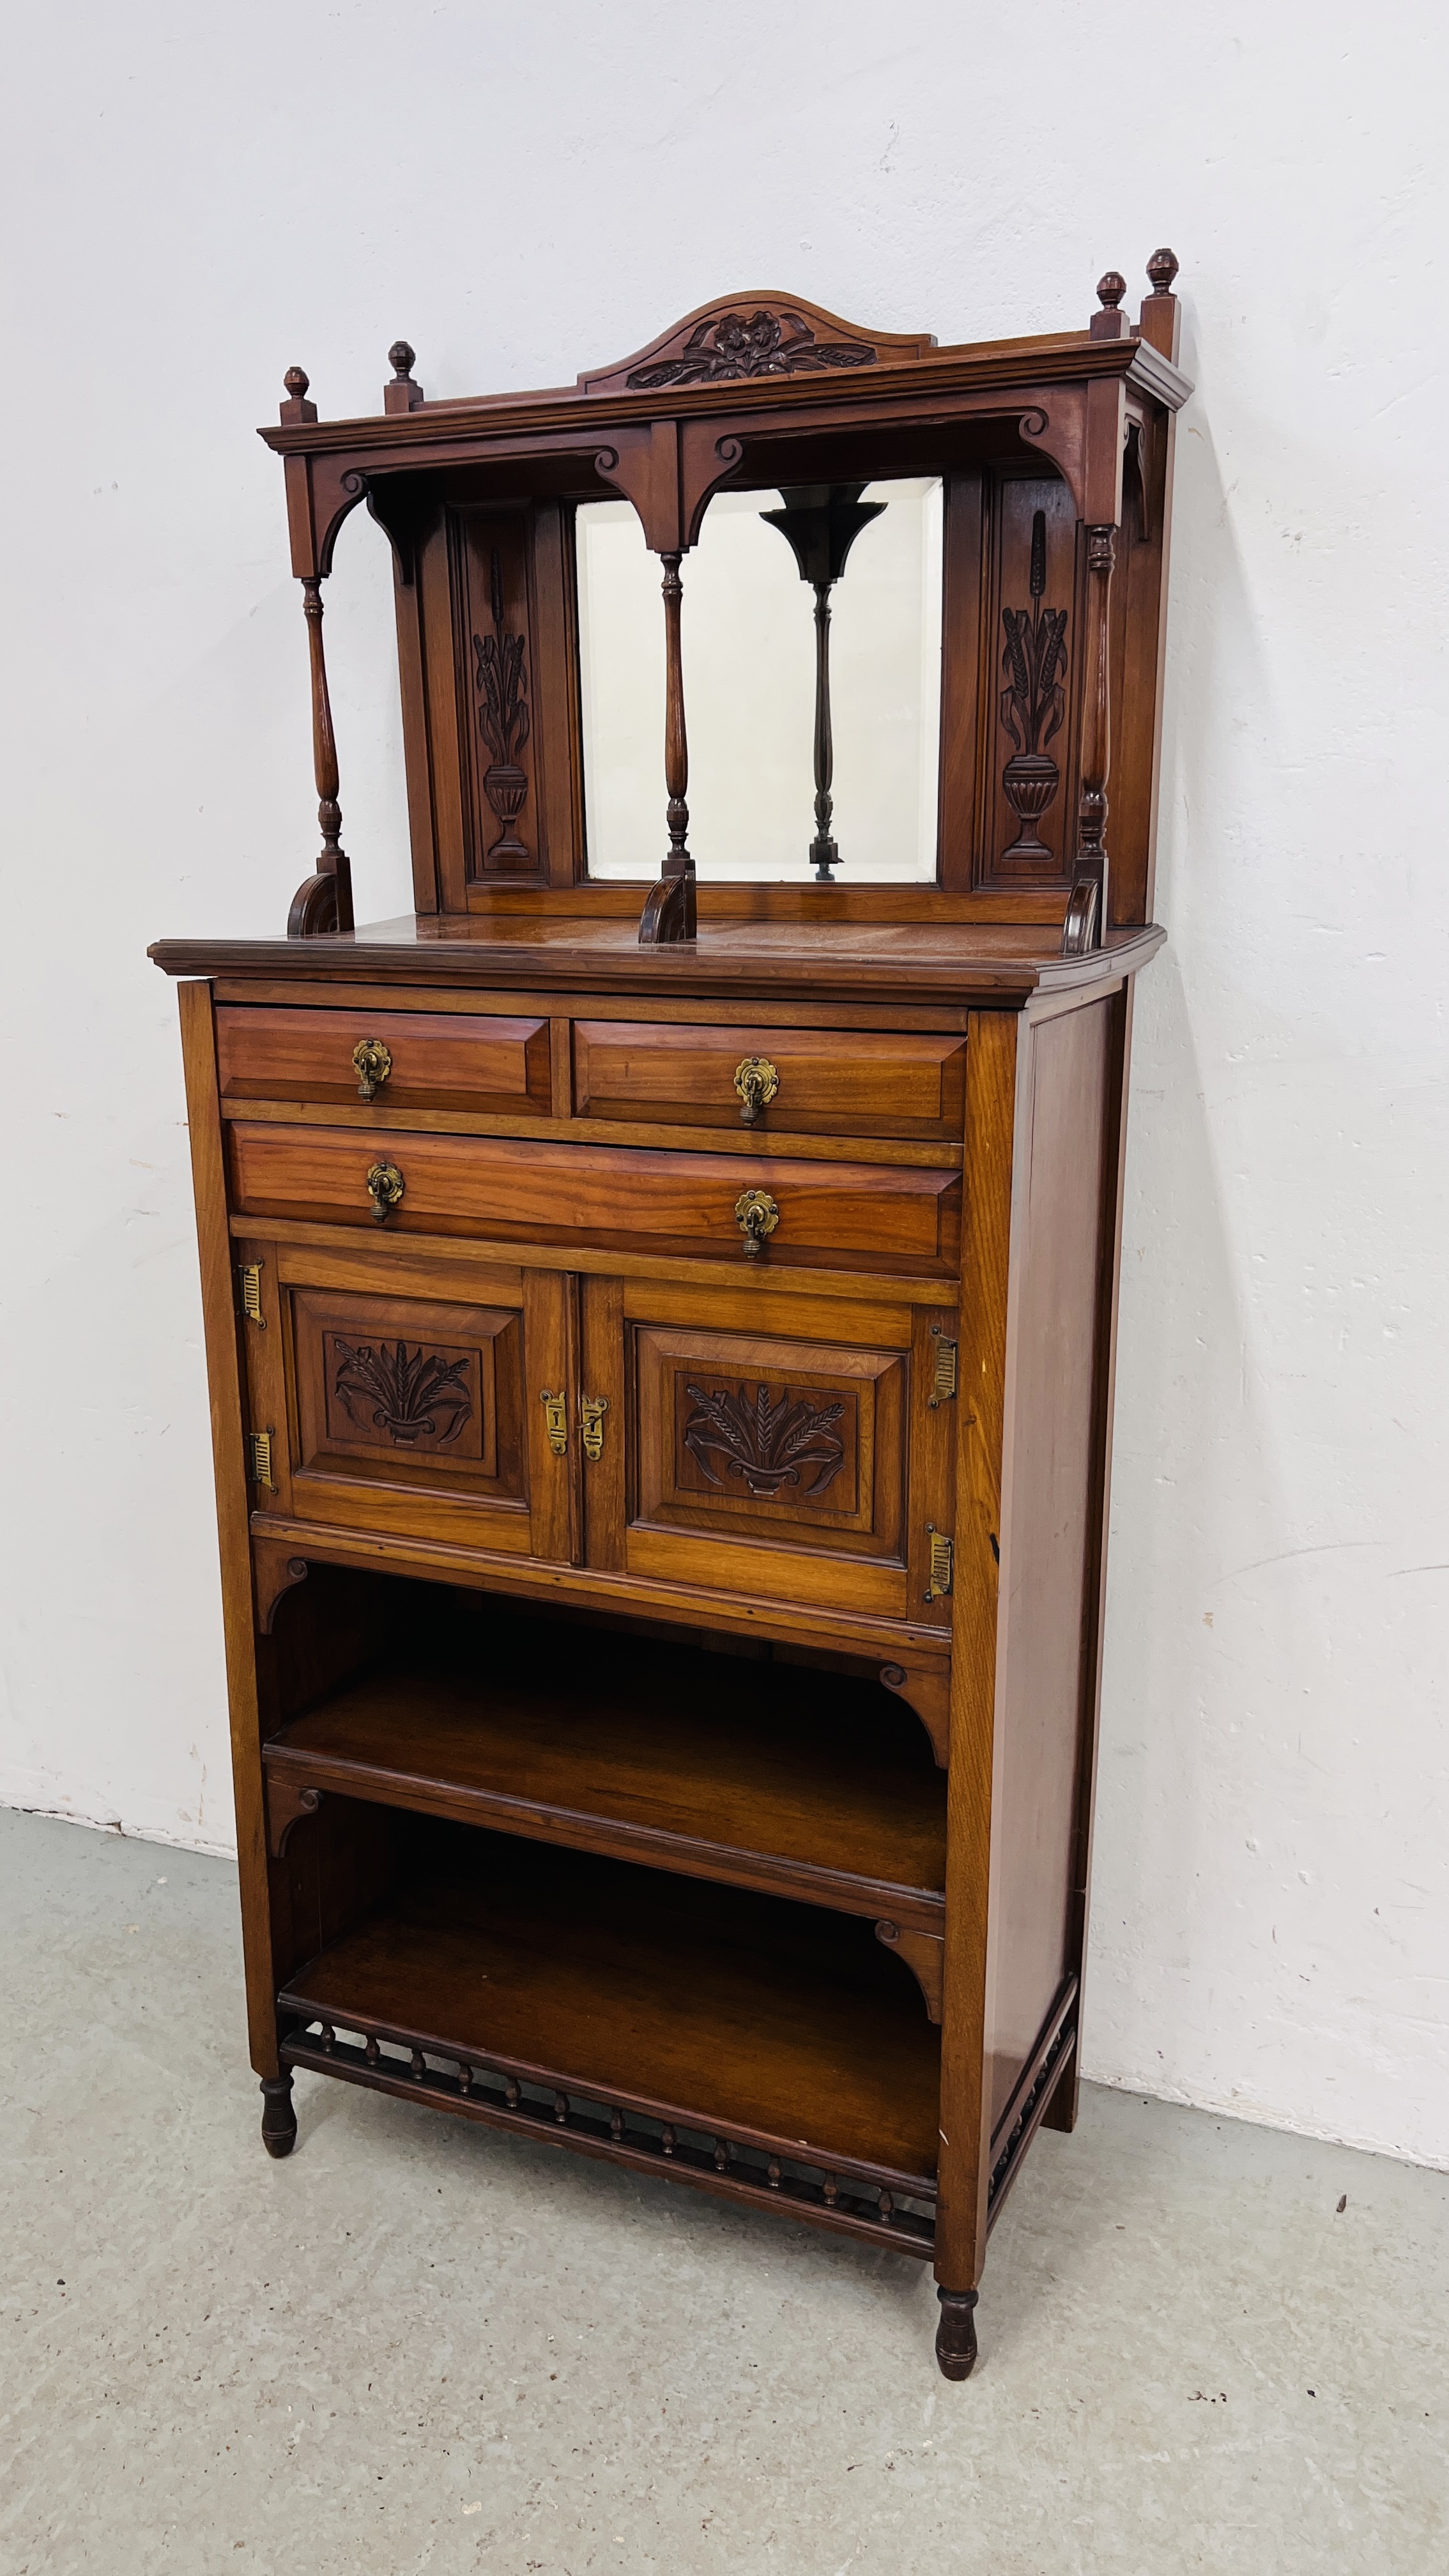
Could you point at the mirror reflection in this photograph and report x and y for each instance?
(812, 681)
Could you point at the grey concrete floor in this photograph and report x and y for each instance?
(419, 2345)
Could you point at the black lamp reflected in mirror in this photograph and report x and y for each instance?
(821, 521)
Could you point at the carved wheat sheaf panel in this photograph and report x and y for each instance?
(764, 1441)
(412, 1396)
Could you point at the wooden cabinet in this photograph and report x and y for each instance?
(662, 1379)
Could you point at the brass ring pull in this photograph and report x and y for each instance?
(372, 1063)
(384, 1188)
(756, 1216)
(757, 1082)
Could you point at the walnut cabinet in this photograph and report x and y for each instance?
(661, 1336)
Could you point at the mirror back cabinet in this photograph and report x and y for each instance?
(661, 1329)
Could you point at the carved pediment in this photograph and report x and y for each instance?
(762, 335)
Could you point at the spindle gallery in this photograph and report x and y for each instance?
(661, 1306)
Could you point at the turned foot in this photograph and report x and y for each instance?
(956, 2333)
(279, 2120)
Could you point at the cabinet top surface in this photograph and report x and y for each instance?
(1005, 963)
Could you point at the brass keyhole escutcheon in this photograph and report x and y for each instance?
(592, 1409)
(372, 1063)
(556, 1418)
(756, 1216)
(384, 1188)
(757, 1082)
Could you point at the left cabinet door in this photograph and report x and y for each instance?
(420, 1399)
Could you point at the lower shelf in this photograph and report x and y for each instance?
(763, 2023)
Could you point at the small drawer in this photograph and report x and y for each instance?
(828, 1082)
(391, 1059)
(870, 1216)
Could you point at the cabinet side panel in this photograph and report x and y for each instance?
(1051, 1506)
(225, 1382)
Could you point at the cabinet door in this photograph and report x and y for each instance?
(406, 1396)
(793, 1447)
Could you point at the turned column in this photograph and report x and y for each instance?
(323, 901)
(1087, 908)
(669, 908)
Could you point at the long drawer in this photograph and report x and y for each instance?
(838, 1082)
(397, 1059)
(875, 1216)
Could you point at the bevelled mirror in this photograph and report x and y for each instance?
(772, 632)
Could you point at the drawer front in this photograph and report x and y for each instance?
(871, 1216)
(447, 1061)
(832, 1082)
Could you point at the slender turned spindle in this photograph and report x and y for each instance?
(669, 908)
(676, 741)
(1087, 915)
(561, 2109)
(370, 2049)
(823, 852)
(329, 2038)
(668, 2139)
(616, 2126)
(820, 523)
(419, 2066)
(511, 2094)
(333, 861)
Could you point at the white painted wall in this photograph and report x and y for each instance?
(197, 197)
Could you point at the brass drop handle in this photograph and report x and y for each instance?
(756, 1081)
(756, 1216)
(592, 1409)
(372, 1063)
(384, 1188)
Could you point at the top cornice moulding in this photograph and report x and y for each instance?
(979, 367)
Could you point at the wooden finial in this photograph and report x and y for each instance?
(1161, 319)
(296, 406)
(402, 394)
(1109, 324)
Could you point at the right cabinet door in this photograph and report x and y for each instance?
(794, 1447)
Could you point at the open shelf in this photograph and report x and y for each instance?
(760, 1774)
(770, 2024)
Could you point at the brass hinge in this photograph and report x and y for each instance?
(592, 1409)
(250, 1275)
(943, 1563)
(943, 1383)
(262, 1460)
(556, 1415)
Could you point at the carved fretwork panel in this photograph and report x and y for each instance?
(489, 685)
(794, 1443)
(405, 1393)
(1031, 658)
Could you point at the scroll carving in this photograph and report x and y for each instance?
(924, 1954)
(1033, 702)
(766, 1444)
(759, 344)
(926, 1689)
(287, 1802)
